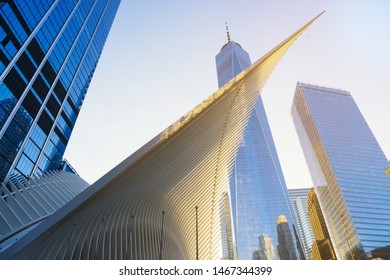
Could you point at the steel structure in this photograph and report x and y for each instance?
(28, 202)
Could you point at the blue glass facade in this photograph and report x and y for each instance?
(347, 167)
(48, 53)
(299, 203)
(257, 188)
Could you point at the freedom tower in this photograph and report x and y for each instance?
(257, 188)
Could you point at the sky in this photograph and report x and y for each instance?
(159, 62)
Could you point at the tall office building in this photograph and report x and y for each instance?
(257, 187)
(347, 166)
(299, 204)
(322, 248)
(145, 208)
(48, 53)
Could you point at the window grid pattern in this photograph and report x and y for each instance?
(347, 170)
(257, 187)
(44, 103)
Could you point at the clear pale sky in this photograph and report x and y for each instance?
(159, 62)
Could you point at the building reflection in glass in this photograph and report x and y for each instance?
(266, 249)
(48, 54)
(286, 246)
(10, 143)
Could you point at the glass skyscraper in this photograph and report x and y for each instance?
(299, 204)
(48, 53)
(347, 167)
(257, 187)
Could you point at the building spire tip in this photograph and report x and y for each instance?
(227, 31)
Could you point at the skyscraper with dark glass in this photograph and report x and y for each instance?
(347, 167)
(257, 187)
(48, 53)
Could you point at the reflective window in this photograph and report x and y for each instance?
(355, 196)
(69, 38)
